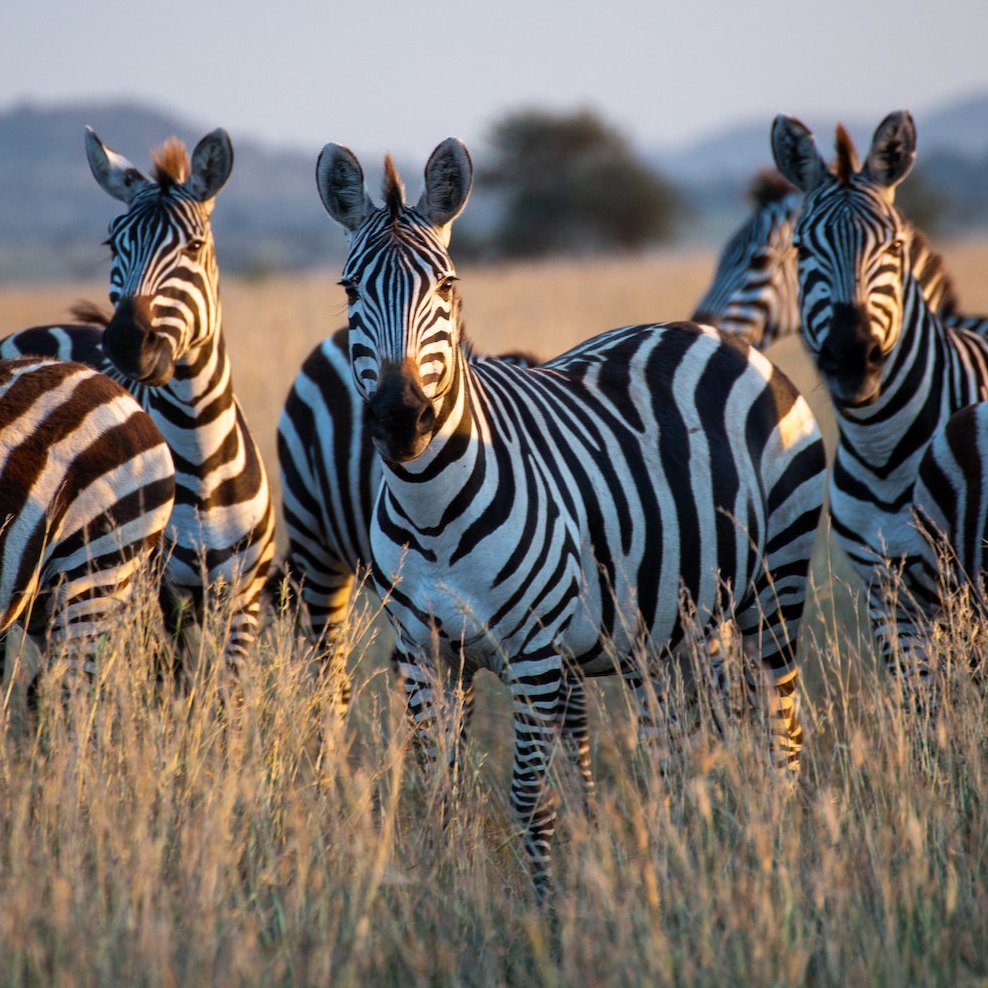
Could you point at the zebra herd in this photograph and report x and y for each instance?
(550, 521)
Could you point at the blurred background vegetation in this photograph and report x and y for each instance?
(548, 182)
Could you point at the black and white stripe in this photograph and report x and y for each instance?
(951, 501)
(538, 520)
(895, 370)
(86, 488)
(164, 343)
(755, 290)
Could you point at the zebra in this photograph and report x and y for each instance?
(537, 519)
(86, 488)
(164, 343)
(896, 372)
(755, 291)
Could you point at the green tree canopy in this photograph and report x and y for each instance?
(572, 184)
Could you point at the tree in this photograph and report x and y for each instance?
(572, 184)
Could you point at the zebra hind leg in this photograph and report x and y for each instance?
(575, 725)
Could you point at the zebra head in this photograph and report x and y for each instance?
(163, 276)
(400, 282)
(754, 292)
(853, 250)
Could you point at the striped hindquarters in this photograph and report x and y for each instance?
(86, 489)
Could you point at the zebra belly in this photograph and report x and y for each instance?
(600, 626)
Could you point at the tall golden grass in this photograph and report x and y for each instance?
(155, 838)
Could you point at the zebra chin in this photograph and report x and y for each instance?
(853, 392)
(397, 450)
(153, 366)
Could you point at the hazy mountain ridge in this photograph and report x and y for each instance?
(53, 215)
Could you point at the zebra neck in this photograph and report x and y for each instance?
(197, 411)
(889, 437)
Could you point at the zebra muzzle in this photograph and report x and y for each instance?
(400, 417)
(851, 357)
(133, 346)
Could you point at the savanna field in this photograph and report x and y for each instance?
(151, 838)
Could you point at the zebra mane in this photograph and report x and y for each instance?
(392, 188)
(89, 312)
(846, 164)
(934, 270)
(769, 186)
(171, 164)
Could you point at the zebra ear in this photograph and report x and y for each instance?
(114, 173)
(893, 151)
(795, 153)
(340, 181)
(448, 179)
(212, 162)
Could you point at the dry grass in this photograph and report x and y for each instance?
(152, 839)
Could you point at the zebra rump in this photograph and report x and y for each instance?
(86, 488)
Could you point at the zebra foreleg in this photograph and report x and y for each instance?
(903, 638)
(439, 714)
(782, 715)
(537, 685)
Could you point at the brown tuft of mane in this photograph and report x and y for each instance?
(769, 186)
(393, 189)
(90, 312)
(171, 163)
(846, 164)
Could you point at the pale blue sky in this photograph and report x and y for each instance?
(399, 75)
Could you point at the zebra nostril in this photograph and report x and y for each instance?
(874, 356)
(426, 419)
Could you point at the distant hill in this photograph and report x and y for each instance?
(53, 215)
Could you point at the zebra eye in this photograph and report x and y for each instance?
(195, 245)
(895, 248)
(109, 243)
(445, 287)
(351, 290)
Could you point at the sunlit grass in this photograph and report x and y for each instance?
(154, 836)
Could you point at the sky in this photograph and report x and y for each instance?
(401, 75)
